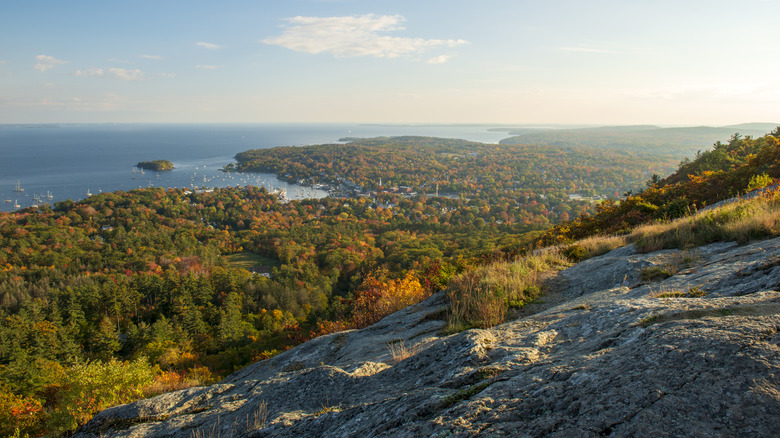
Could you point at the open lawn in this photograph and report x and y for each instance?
(247, 260)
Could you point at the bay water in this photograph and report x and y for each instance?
(53, 163)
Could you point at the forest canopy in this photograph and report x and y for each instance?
(485, 171)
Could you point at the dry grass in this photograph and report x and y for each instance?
(594, 246)
(400, 351)
(481, 298)
(327, 408)
(258, 418)
(741, 221)
(693, 292)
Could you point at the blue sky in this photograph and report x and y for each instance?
(490, 61)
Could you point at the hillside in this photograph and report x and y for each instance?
(726, 170)
(615, 350)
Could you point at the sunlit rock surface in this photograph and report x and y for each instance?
(615, 350)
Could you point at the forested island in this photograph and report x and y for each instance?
(157, 165)
(130, 294)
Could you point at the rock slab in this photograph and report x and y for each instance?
(619, 354)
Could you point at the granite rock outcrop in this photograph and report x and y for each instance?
(669, 343)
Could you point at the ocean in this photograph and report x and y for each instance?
(53, 163)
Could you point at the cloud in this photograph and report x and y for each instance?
(167, 75)
(353, 36)
(125, 74)
(585, 50)
(116, 73)
(441, 59)
(207, 67)
(46, 62)
(90, 72)
(207, 45)
(156, 57)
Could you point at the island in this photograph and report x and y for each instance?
(155, 165)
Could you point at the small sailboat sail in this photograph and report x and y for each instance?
(18, 187)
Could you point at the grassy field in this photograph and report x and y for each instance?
(248, 260)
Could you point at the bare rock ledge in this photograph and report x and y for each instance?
(611, 355)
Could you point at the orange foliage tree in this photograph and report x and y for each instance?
(379, 296)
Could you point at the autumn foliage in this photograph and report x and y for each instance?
(379, 296)
(728, 170)
(127, 294)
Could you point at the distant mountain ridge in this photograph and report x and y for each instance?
(675, 141)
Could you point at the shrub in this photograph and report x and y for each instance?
(19, 414)
(674, 209)
(91, 387)
(576, 253)
(379, 296)
(759, 182)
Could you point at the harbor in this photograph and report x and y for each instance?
(193, 176)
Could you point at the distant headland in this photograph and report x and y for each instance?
(155, 165)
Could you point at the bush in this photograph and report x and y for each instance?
(674, 209)
(576, 253)
(380, 296)
(91, 387)
(759, 182)
(22, 414)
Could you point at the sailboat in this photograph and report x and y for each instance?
(16, 204)
(89, 193)
(18, 187)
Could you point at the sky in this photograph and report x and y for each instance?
(681, 62)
